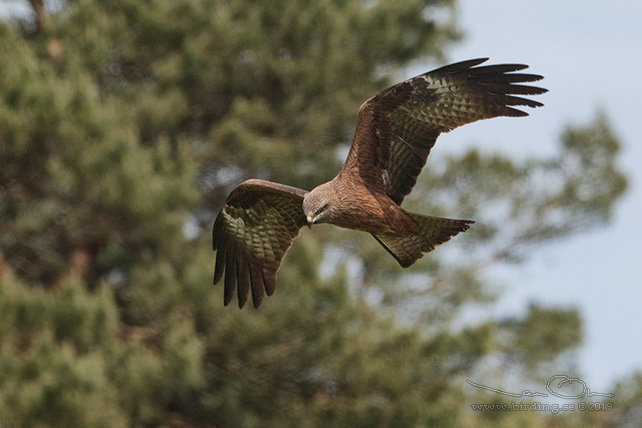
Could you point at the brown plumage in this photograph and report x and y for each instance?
(396, 130)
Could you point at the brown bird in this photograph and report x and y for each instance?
(395, 131)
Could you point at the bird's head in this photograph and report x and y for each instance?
(317, 205)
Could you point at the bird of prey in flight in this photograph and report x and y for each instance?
(395, 131)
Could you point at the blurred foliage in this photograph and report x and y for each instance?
(123, 126)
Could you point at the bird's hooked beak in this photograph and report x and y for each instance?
(312, 220)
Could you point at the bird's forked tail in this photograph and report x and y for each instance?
(433, 231)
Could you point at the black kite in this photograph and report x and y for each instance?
(395, 131)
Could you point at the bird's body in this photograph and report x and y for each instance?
(396, 129)
(362, 209)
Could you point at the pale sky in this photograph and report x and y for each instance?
(590, 56)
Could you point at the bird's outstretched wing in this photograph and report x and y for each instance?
(397, 128)
(251, 235)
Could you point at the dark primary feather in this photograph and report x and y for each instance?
(251, 235)
(407, 118)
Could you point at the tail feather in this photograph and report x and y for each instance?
(407, 249)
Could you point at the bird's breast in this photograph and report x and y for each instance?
(369, 213)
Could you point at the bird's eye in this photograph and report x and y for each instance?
(323, 208)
